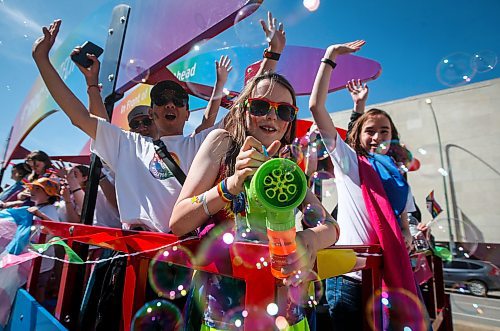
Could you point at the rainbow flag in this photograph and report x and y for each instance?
(432, 206)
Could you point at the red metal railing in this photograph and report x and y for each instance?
(260, 284)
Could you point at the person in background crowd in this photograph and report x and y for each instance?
(140, 122)
(19, 172)
(40, 163)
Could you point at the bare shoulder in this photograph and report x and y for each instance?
(216, 143)
(218, 137)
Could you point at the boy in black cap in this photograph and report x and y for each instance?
(146, 188)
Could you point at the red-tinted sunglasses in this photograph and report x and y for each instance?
(262, 107)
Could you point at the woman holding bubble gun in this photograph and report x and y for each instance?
(261, 122)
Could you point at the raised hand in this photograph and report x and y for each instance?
(358, 90)
(223, 68)
(60, 169)
(91, 73)
(43, 44)
(250, 158)
(347, 48)
(275, 33)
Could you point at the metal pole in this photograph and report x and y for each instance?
(453, 195)
(452, 241)
(4, 161)
(452, 183)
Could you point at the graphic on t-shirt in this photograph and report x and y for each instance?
(159, 169)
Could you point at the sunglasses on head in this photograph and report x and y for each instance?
(135, 124)
(176, 100)
(262, 107)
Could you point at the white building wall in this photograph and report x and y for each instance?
(468, 116)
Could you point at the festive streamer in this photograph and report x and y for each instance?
(73, 257)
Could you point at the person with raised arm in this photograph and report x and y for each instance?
(373, 198)
(146, 187)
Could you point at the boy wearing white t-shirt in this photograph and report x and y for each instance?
(146, 188)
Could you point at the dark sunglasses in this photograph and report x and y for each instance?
(262, 107)
(135, 124)
(165, 99)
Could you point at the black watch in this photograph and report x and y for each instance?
(271, 55)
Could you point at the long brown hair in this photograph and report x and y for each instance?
(236, 124)
(354, 137)
(38, 156)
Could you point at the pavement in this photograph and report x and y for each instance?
(475, 313)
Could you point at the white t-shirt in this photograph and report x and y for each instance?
(51, 212)
(352, 217)
(146, 189)
(105, 214)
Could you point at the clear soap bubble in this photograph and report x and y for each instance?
(168, 279)
(136, 70)
(484, 61)
(455, 69)
(157, 315)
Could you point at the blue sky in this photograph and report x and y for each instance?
(408, 38)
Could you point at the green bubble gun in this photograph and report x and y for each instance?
(275, 190)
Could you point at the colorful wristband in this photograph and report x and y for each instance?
(224, 193)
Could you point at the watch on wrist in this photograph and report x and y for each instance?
(271, 55)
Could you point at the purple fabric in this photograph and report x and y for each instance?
(178, 25)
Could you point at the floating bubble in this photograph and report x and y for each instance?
(404, 309)
(214, 247)
(455, 69)
(249, 318)
(318, 177)
(466, 236)
(314, 215)
(429, 161)
(137, 70)
(292, 152)
(303, 141)
(198, 69)
(309, 292)
(311, 5)
(484, 61)
(157, 315)
(167, 278)
(247, 26)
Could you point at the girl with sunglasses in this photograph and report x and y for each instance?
(373, 198)
(261, 122)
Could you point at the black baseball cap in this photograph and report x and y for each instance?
(164, 87)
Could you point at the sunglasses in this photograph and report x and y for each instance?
(262, 107)
(165, 99)
(135, 124)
